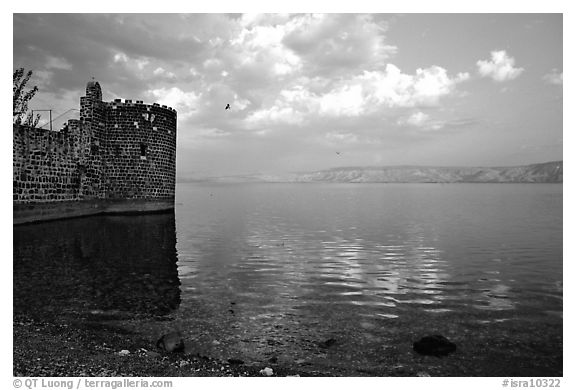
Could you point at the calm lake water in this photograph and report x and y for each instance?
(270, 271)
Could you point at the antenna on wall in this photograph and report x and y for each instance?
(50, 111)
(53, 119)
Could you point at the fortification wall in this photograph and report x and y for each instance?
(140, 151)
(119, 157)
(50, 166)
(93, 119)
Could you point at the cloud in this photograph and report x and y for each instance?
(293, 81)
(500, 68)
(332, 43)
(417, 119)
(366, 94)
(348, 100)
(185, 103)
(278, 71)
(271, 48)
(58, 63)
(257, 54)
(554, 77)
(341, 137)
(248, 20)
(159, 71)
(42, 79)
(421, 121)
(274, 115)
(199, 136)
(113, 48)
(393, 88)
(256, 62)
(120, 57)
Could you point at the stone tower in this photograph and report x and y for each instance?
(120, 156)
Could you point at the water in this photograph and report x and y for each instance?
(270, 271)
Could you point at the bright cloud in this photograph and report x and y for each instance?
(248, 20)
(278, 45)
(393, 88)
(142, 63)
(212, 63)
(260, 47)
(164, 73)
(274, 115)
(120, 57)
(421, 121)
(499, 68)
(555, 77)
(366, 94)
(417, 119)
(185, 103)
(346, 101)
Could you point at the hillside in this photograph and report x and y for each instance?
(550, 172)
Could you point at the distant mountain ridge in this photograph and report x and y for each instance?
(549, 172)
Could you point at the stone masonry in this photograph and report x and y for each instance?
(115, 151)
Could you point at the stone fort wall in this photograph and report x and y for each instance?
(139, 150)
(116, 152)
(47, 165)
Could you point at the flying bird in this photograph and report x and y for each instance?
(227, 106)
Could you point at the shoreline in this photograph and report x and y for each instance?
(72, 346)
(68, 348)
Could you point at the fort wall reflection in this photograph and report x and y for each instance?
(120, 264)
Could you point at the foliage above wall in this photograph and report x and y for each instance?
(21, 98)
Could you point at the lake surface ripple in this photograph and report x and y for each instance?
(270, 271)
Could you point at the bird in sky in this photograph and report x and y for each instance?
(227, 106)
(338, 153)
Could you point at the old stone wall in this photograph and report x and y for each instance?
(93, 117)
(140, 150)
(116, 152)
(49, 166)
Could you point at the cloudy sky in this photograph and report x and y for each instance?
(310, 92)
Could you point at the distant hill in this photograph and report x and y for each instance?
(550, 172)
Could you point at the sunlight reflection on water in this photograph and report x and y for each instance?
(386, 253)
(270, 270)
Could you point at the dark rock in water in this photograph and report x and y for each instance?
(327, 343)
(435, 345)
(171, 342)
(235, 361)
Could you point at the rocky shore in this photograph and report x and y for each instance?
(67, 347)
(88, 349)
(70, 346)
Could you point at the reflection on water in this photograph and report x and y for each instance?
(103, 263)
(270, 271)
(281, 267)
